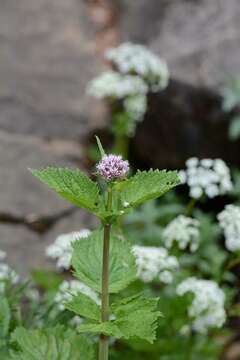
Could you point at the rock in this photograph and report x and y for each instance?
(181, 122)
(21, 194)
(199, 39)
(47, 58)
(26, 249)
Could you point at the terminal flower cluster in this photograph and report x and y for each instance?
(207, 308)
(154, 263)
(184, 231)
(210, 177)
(229, 220)
(61, 249)
(112, 167)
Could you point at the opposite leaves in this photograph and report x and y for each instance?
(72, 185)
(136, 317)
(146, 185)
(51, 344)
(87, 262)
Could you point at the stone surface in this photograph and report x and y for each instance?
(22, 194)
(198, 38)
(47, 58)
(182, 122)
(26, 249)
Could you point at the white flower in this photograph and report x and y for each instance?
(229, 220)
(207, 176)
(183, 176)
(3, 255)
(207, 308)
(68, 289)
(136, 106)
(184, 230)
(154, 263)
(130, 58)
(196, 192)
(61, 249)
(113, 85)
(7, 275)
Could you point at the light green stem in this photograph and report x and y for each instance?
(103, 342)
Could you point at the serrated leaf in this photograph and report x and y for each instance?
(87, 262)
(136, 317)
(51, 344)
(72, 185)
(5, 316)
(83, 305)
(146, 185)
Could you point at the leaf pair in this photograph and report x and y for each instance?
(76, 187)
(136, 317)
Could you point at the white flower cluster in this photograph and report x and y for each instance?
(207, 308)
(7, 274)
(184, 230)
(229, 220)
(138, 71)
(113, 85)
(61, 249)
(207, 176)
(154, 263)
(136, 59)
(71, 288)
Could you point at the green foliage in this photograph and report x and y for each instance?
(72, 185)
(231, 100)
(83, 305)
(5, 316)
(234, 128)
(231, 93)
(145, 225)
(87, 262)
(136, 317)
(47, 279)
(100, 147)
(50, 344)
(146, 185)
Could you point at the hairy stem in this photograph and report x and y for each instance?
(103, 342)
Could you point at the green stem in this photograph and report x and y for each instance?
(190, 206)
(121, 145)
(103, 342)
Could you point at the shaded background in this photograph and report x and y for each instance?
(50, 49)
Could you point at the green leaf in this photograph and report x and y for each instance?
(136, 317)
(87, 262)
(100, 147)
(5, 316)
(146, 185)
(51, 344)
(83, 305)
(72, 185)
(47, 279)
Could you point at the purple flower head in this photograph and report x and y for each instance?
(112, 167)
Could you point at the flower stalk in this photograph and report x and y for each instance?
(103, 342)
